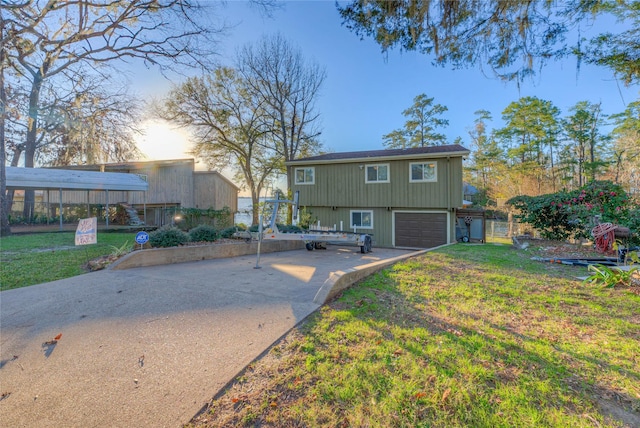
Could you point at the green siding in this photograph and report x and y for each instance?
(328, 217)
(343, 185)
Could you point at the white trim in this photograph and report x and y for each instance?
(393, 221)
(423, 180)
(366, 173)
(351, 225)
(303, 183)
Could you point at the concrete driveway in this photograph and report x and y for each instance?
(149, 347)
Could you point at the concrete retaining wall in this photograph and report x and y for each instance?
(165, 256)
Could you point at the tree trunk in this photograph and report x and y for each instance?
(255, 207)
(5, 227)
(30, 143)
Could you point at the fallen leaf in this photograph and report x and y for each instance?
(235, 400)
(274, 404)
(397, 352)
(58, 337)
(446, 394)
(419, 395)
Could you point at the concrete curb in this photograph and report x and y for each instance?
(165, 256)
(339, 281)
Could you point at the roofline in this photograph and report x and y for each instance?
(221, 176)
(369, 159)
(137, 164)
(47, 179)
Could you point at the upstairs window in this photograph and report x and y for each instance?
(423, 172)
(362, 219)
(305, 175)
(377, 173)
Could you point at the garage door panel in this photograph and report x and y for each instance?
(420, 230)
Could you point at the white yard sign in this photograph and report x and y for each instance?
(87, 231)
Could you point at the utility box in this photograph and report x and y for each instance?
(470, 226)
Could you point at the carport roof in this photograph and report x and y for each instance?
(45, 178)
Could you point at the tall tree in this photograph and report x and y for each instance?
(531, 128)
(49, 39)
(626, 147)
(514, 38)
(5, 229)
(229, 125)
(582, 128)
(423, 117)
(486, 153)
(289, 86)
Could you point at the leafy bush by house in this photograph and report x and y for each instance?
(284, 228)
(192, 217)
(204, 232)
(168, 237)
(572, 214)
(229, 231)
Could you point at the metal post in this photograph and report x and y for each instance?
(60, 193)
(257, 266)
(107, 208)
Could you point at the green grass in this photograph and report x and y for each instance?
(43, 257)
(467, 336)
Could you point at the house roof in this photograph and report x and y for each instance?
(49, 178)
(127, 166)
(216, 173)
(389, 154)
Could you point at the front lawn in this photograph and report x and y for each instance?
(43, 257)
(466, 336)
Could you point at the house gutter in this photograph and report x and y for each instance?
(370, 159)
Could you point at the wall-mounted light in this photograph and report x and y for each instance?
(361, 166)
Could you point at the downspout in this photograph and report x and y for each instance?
(107, 208)
(60, 193)
(448, 183)
(449, 220)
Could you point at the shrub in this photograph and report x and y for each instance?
(192, 217)
(568, 214)
(169, 236)
(229, 231)
(204, 232)
(611, 276)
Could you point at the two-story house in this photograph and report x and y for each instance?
(403, 197)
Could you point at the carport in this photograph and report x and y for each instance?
(62, 179)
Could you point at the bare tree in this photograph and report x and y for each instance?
(229, 127)
(42, 40)
(289, 87)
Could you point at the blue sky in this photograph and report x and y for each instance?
(365, 91)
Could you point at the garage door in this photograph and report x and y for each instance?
(420, 230)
